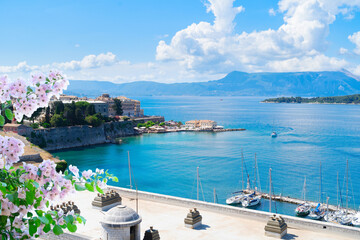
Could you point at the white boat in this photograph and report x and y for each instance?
(330, 217)
(317, 213)
(345, 219)
(251, 200)
(356, 220)
(274, 134)
(303, 209)
(236, 198)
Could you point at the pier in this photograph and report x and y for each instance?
(295, 201)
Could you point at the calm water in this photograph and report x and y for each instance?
(307, 134)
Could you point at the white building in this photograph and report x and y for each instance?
(200, 124)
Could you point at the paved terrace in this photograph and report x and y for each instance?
(168, 218)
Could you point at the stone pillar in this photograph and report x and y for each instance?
(106, 201)
(151, 234)
(193, 219)
(276, 227)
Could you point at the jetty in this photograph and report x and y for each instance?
(215, 130)
(295, 201)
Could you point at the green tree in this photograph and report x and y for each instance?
(94, 121)
(79, 116)
(47, 115)
(69, 113)
(90, 110)
(58, 107)
(82, 105)
(57, 121)
(117, 106)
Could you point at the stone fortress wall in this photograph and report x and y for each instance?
(84, 135)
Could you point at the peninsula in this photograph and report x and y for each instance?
(348, 99)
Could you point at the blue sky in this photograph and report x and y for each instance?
(175, 41)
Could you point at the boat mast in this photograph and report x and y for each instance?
(347, 182)
(255, 174)
(320, 193)
(270, 190)
(129, 169)
(337, 189)
(214, 195)
(305, 189)
(197, 183)
(242, 170)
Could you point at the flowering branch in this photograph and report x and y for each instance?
(27, 192)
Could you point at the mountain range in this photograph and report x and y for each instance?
(327, 83)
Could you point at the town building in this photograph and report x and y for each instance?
(200, 124)
(104, 104)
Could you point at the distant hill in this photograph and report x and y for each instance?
(234, 84)
(348, 99)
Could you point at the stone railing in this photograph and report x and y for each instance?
(295, 222)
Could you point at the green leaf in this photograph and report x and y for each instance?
(99, 189)
(12, 197)
(44, 220)
(49, 217)
(115, 179)
(32, 229)
(9, 114)
(89, 187)
(83, 219)
(69, 219)
(30, 196)
(2, 120)
(79, 187)
(71, 227)
(57, 230)
(47, 228)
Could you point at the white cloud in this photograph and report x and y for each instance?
(343, 51)
(77, 45)
(90, 61)
(205, 46)
(20, 67)
(272, 12)
(355, 38)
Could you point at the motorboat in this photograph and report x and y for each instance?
(274, 134)
(236, 198)
(303, 209)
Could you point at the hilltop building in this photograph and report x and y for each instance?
(201, 124)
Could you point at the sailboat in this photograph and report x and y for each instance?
(303, 209)
(237, 196)
(333, 216)
(346, 218)
(319, 212)
(252, 199)
(356, 220)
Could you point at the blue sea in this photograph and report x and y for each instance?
(307, 135)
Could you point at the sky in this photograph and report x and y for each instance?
(178, 40)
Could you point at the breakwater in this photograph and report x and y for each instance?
(84, 135)
(294, 222)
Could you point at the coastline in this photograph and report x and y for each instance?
(311, 103)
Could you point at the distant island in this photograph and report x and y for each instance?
(348, 99)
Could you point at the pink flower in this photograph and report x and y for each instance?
(87, 174)
(74, 170)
